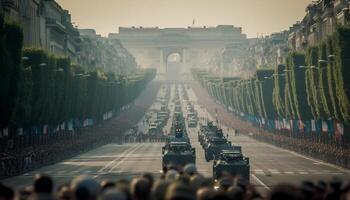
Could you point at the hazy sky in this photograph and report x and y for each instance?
(254, 16)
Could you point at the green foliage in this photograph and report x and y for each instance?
(44, 89)
(10, 71)
(278, 90)
(311, 86)
(341, 47)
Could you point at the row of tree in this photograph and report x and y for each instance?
(314, 85)
(39, 89)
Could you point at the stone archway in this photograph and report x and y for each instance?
(165, 65)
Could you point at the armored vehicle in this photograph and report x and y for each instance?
(233, 162)
(178, 153)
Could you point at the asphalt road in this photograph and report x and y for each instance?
(269, 165)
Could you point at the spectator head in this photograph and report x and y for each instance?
(240, 182)
(123, 185)
(64, 193)
(205, 193)
(149, 177)
(159, 189)
(180, 191)
(190, 169)
(6, 193)
(24, 193)
(85, 188)
(197, 181)
(285, 192)
(140, 189)
(113, 194)
(171, 175)
(43, 184)
(235, 192)
(225, 183)
(308, 188)
(107, 184)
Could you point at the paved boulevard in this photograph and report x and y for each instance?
(269, 165)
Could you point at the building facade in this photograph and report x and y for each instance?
(45, 25)
(322, 19)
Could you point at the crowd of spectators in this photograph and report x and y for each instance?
(173, 184)
(48, 149)
(328, 152)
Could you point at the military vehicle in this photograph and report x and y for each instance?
(215, 145)
(178, 153)
(192, 121)
(233, 162)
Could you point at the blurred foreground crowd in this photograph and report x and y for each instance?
(173, 184)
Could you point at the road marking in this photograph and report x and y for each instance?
(289, 172)
(259, 181)
(303, 172)
(118, 157)
(275, 172)
(126, 156)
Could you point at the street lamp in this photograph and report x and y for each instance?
(43, 64)
(278, 74)
(25, 58)
(307, 67)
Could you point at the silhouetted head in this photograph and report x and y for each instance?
(205, 193)
(43, 184)
(85, 188)
(6, 193)
(140, 189)
(149, 177)
(285, 192)
(159, 189)
(180, 191)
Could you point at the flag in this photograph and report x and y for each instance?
(277, 124)
(340, 128)
(70, 125)
(45, 129)
(288, 125)
(301, 126)
(313, 126)
(63, 125)
(330, 126)
(324, 126)
(20, 131)
(284, 123)
(5, 132)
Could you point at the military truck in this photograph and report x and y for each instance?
(233, 162)
(192, 121)
(214, 145)
(178, 153)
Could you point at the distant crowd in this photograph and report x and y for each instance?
(328, 152)
(17, 161)
(14, 161)
(173, 184)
